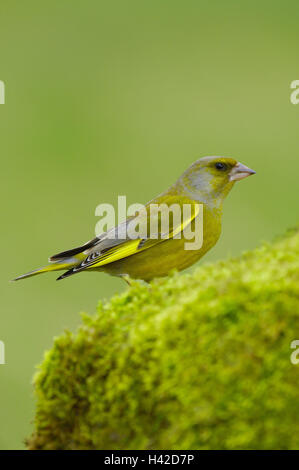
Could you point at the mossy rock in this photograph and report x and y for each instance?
(194, 361)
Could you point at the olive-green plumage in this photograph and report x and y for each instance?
(207, 182)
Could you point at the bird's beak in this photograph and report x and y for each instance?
(239, 172)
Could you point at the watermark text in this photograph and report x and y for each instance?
(2, 352)
(152, 222)
(295, 354)
(2, 92)
(295, 94)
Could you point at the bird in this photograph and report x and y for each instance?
(204, 185)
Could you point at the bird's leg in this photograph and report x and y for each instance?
(127, 279)
(131, 281)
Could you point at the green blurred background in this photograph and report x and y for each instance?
(108, 98)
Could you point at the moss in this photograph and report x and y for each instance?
(196, 361)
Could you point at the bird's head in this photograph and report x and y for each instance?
(213, 177)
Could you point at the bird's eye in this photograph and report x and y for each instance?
(221, 166)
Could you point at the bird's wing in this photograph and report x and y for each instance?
(106, 239)
(107, 250)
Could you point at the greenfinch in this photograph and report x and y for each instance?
(202, 187)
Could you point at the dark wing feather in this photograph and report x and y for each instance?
(75, 251)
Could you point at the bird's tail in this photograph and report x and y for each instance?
(53, 266)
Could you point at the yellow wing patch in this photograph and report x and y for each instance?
(117, 253)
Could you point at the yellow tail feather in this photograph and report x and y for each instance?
(58, 266)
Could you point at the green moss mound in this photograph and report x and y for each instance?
(197, 361)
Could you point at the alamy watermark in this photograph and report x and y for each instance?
(2, 92)
(151, 222)
(2, 352)
(295, 94)
(294, 358)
